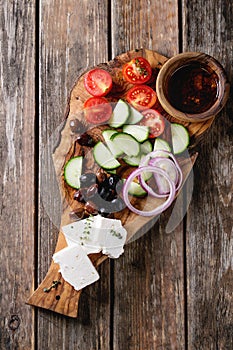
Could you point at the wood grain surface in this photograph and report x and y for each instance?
(209, 247)
(64, 299)
(67, 46)
(168, 291)
(149, 304)
(17, 129)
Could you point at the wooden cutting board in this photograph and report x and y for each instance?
(62, 297)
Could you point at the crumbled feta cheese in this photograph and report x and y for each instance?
(75, 266)
(97, 233)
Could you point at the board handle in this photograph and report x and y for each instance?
(54, 293)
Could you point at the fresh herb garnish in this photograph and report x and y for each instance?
(116, 234)
(140, 68)
(54, 285)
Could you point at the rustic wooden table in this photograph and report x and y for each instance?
(168, 291)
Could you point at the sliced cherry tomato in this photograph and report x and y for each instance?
(155, 121)
(141, 97)
(137, 71)
(98, 82)
(97, 110)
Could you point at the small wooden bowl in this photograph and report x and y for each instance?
(185, 59)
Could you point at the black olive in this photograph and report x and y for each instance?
(79, 196)
(92, 191)
(101, 175)
(107, 194)
(113, 180)
(76, 126)
(104, 212)
(87, 180)
(85, 140)
(77, 214)
(91, 208)
(117, 204)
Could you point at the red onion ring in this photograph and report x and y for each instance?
(149, 157)
(163, 206)
(169, 167)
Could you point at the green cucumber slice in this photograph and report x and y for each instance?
(180, 138)
(104, 157)
(146, 147)
(119, 115)
(135, 189)
(107, 134)
(161, 144)
(133, 161)
(134, 116)
(139, 132)
(73, 171)
(126, 143)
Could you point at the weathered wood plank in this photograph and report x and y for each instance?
(17, 115)
(148, 279)
(73, 36)
(208, 28)
(149, 24)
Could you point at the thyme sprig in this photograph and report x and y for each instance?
(115, 233)
(87, 227)
(142, 70)
(54, 285)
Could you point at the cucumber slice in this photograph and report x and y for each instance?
(73, 171)
(139, 132)
(161, 144)
(133, 161)
(104, 157)
(180, 138)
(126, 143)
(119, 115)
(146, 147)
(135, 189)
(107, 134)
(134, 116)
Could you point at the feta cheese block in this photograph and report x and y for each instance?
(75, 266)
(97, 233)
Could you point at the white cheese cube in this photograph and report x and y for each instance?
(97, 233)
(75, 266)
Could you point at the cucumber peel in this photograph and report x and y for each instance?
(135, 189)
(120, 114)
(104, 157)
(134, 117)
(180, 138)
(127, 143)
(107, 134)
(73, 171)
(139, 132)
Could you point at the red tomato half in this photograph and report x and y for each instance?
(137, 71)
(155, 121)
(141, 97)
(97, 110)
(98, 82)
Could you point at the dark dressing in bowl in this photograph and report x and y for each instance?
(193, 88)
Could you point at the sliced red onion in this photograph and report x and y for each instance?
(149, 158)
(160, 208)
(169, 167)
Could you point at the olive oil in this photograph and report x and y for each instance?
(193, 88)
